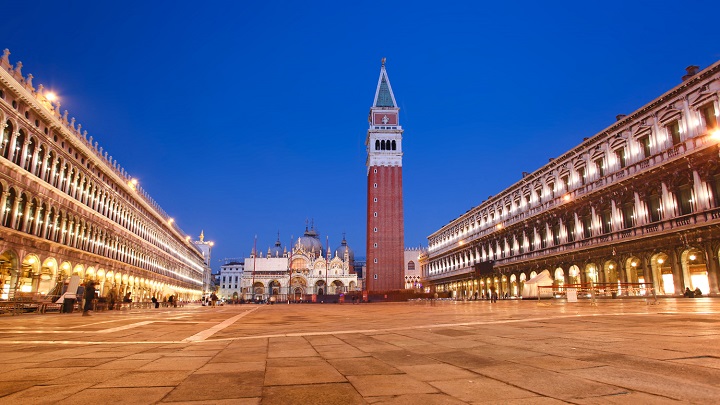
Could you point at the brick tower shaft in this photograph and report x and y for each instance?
(385, 221)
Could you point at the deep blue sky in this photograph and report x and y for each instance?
(245, 119)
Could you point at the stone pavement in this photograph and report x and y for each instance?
(511, 352)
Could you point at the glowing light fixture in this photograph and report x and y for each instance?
(661, 261)
(715, 134)
(51, 96)
(693, 257)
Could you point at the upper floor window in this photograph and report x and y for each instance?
(600, 167)
(606, 219)
(570, 229)
(566, 182)
(620, 156)
(684, 199)
(708, 113)
(628, 211)
(673, 129)
(587, 225)
(581, 175)
(654, 210)
(411, 265)
(644, 142)
(715, 189)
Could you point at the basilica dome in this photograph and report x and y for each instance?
(310, 242)
(276, 251)
(340, 251)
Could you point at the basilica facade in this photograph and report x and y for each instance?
(635, 208)
(307, 271)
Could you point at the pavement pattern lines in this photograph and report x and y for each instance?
(474, 352)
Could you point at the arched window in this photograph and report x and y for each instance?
(7, 210)
(20, 213)
(377, 144)
(37, 170)
(411, 264)
(29, 155)
(393, 145)
(48, 166)
(382, 145)
(32, 212)
(19, 144)
(5, 141)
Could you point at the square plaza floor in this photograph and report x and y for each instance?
(511, 352)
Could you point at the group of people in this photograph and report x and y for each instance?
(210, 301)
(692, 294)
(90, 294)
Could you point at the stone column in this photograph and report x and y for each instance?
(12, 144)
(38, 221)
(677, 272)
(713, 268)
(53, 170)
(647, 270)
(26, 215)
(34, 161)
(13, 212)
(23, 153)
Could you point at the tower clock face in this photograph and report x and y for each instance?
(383, 118)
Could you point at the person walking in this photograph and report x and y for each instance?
(214, 299)
(155, 302)
(89, 297)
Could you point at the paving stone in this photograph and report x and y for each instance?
(212, 368)
(389, 384)
(566, 386)
(175, 363)
(437, 372)
(211, 387)
(651, 383)
(363, 366)
(233, 401)
(316, 394)
(8, 387)
(481, 389)
(313, 374)
(46, 394)
(414, 399)
(404, 358)
(342, 351)
(129, 396)
(146, 379)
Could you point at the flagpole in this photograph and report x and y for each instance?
(327, 262)
(252, 287)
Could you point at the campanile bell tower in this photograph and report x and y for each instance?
(385, 224)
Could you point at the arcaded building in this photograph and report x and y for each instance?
(67, 207)
(637, 204)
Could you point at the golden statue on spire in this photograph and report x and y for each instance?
(202, 236)
(383, 61)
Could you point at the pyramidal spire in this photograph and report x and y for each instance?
(384, 96)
